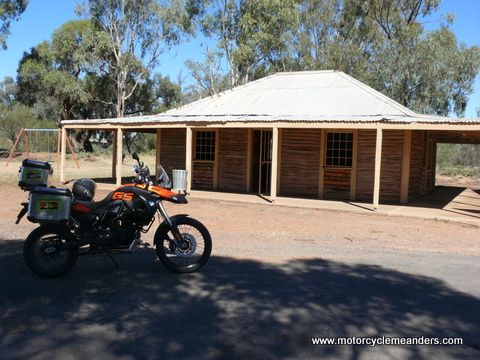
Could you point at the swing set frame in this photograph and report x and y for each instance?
(26, 131)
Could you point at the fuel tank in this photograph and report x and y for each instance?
(139, 204)
(133, 203)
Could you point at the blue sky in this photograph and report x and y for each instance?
(42, 17)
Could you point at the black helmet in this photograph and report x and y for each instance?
(84, 189)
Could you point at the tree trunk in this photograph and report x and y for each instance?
(81, 141)
(121, 92)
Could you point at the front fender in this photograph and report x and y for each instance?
(164, 228)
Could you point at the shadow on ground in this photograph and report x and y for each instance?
(439, 198)
(231, 309)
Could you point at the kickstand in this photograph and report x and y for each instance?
(116, 264)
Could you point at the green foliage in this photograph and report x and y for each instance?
(383, 43)
(13, 118)
(169, 92)
(135, 34)
(9, 10)
(458, 159)
(208, 75)
(458, 170)
(433, 75)
(249, 33)
(463, 155)
(8, 89)
(52, 74)
(63, 79)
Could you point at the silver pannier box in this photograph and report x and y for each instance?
(34, 173)
(49, 205)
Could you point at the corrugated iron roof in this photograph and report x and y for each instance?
(316, 93)
(313, 96)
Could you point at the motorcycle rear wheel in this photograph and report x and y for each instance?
(45, 253)
(194, 250)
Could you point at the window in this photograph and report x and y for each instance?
(205, 145)
(339, 150)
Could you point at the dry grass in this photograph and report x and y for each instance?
(91, 166)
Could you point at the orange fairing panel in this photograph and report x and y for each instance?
(161, 191)
(164, 193)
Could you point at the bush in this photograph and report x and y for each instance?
(458, 154)
(459, 170)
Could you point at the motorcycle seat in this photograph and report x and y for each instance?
(94, 205)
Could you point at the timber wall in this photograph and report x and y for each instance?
(422, 165)
(365, 165)
(391, 173)
(232, 160)
(203, 175)
(417, 165)
(173, 149)
(300, 162)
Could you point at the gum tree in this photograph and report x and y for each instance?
(135, 34)
(9, 10)
(384, 43)
(252, 35)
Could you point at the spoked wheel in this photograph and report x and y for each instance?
(46, 251)
(193, 251)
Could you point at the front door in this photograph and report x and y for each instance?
(262, 162)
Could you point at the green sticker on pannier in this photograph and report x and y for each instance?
(33, 175)
(49, 205)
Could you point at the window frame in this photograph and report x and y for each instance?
(205, 145)
(341, 154)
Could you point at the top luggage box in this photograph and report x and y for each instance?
(34, 173)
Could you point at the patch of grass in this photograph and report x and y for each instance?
(459, 170)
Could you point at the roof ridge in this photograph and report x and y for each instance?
(377, 94)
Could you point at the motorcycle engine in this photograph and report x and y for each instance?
(112, 229)
(117, 234)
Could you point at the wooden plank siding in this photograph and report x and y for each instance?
(172, 149)
(300, 162)
(337, 183)
(431, 158)
(432, 154)
(203, 175)
(391, 172)
(417, 164)
(365, 164)
(232, 161)
(422, 167)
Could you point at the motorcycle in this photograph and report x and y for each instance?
(72, 224)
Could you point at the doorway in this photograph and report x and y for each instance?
(262, 161)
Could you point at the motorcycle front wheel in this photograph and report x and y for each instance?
(46, 251)
(193, 251)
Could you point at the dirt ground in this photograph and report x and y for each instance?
(470, 182)
(239, 223)
(278, 277)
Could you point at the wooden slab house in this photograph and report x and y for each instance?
(320, 134)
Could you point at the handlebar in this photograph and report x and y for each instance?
(143, 173)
